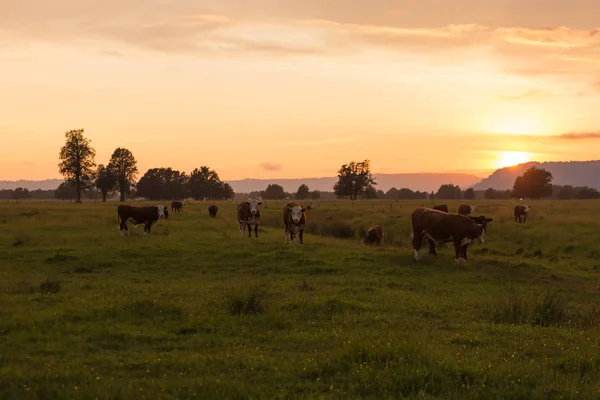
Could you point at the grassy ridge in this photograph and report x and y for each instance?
(195, 310)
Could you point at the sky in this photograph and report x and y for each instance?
(296, 88)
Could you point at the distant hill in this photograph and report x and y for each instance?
(47, 184)
(575, 173)
(422, 181)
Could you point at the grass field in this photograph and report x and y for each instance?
(195, 311)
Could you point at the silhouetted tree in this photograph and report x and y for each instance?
(431, 196)
(490, 194)
(124, 166)
(469, 194)
(303, 192)
(535, 183)
(587, 193)
(203, 183)
(274, 192)
(354, 179)
(391, 194)
(162, 183)
(20, 193)
(370, 193)
(315, 195)
(380, 194)
(66, 191)
(77, 160)
(224, 191)
(448, 192)
(566, 192)
(106, 182)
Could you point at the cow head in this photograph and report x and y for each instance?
(471, 209)
(161, 211)
(296, 213)
(253, 205)
(526, 208)
(482, 220)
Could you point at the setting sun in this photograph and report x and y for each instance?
(510, 158)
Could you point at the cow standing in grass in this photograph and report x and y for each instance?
(374, 235)
(248, 216)
(521, 212)
(139, 215)
(294, 220)
(440, 226)
(212, 210)
(465, 209)
(441, 207)
(176, 206)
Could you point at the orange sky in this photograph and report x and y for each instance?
(270, 89)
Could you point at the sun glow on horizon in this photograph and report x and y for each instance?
(510, 158)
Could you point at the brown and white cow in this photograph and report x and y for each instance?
(521, 212)
(249, 215)
(176, 206)
(439, 226)
(441, 207)
(465, 209)
(139, 215)
(374, 235)
(212, 210)
(294, 220)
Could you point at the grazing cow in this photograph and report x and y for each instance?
(139, 215)
(521, 212)
(248, 216)
(294, 220)
(441, 207)
(166, 211)
(212, 210)
(440, 226)
(176, 206)
(465, 209)
(374, 235)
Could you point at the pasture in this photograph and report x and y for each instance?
(195, 311)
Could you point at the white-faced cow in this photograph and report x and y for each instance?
(521, 212)
(441, 207)
(176, 206)
(294, 220)
(139, 215)
(248, 216)
(465, 209)
(374, 235)
(212, 210)
(439, 226)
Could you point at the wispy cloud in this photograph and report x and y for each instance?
(270, 166)
(526, 95)
(579, 135)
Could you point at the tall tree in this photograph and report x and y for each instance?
(303, 192)
(535, 183)
(448, 192)
(469, 194)
(66, 191)
(21, 193)
(274, 192)
(354, 179)
(162, 183)
(203, 183)
(106, 182)
(77, 161)
(315, 195)
(124, 166)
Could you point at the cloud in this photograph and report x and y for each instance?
(579, 135)
(270, 166)
(526, 95)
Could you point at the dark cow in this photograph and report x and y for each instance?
(465, 209)
(441, 207)
(139, 215)
(374, 235)
(166, 211)
(248, 216)
(176, 206)
(521, 212)
(212, 210)
(294, 220)
(440, 226)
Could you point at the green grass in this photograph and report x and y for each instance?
(193, 310)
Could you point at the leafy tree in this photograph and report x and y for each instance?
(354, 179)
(587, 193)
(566, 192)
(303, 192)
(370, 193)
(124, 166)
(315, 195)
(106, 182)
(469, 194)
(391, 194)
(224, 191)
(448, 192)
(66, 191)
(20, 193)
(432, 196)
(203, 183)
(380, 194)
(490, 194)
(77, 160)
(274, 192)
(535, 183)
(162, 183)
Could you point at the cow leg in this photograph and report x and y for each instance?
(417, 240)
(256, 230)
(432, 247)
(249, 230)
(301, 236)
(464, 252)
(458, 250)
(242, 229)
(123, 227)
(147, 227)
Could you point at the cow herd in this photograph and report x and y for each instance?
(436, 224)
